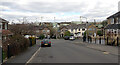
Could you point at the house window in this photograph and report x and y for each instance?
(76, 30)
(0, 36)
(112, 20)
(37, 31)
(0, 25)
(115, 31)
(83, 29)
(82, 33)
(119, 20)
(44, 31)
(65, 29)
(79, 33)
(90, 29)
(118, 31)
(48, 30)
(71, 30)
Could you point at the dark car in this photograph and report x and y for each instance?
(66, 37)
(53, 37)
(46, 42)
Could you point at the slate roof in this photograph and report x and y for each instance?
(114, 15)
(113, 26)
(41, 27)
(77, 26)
(3, 20)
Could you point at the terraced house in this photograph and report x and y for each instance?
(77, 30)
(112, 30)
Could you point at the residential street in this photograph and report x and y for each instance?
(48, 32)
(65, 51)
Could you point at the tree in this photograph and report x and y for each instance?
(99, 32)
(42, 36)
(104, 23)
(52, 31)
(21, 29)
(67, 33)
(85, 33)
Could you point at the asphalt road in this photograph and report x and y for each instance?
(65, 51)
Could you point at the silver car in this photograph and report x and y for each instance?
(72, 38)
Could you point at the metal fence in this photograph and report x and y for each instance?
(95, 40)
(106, 41)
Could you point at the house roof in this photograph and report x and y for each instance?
(81, 26)
(113, 26)
(74, 26)
(63, 27)
(64, 23)
(114, 15)
(6, 32)
(41, 27)
(3, 20)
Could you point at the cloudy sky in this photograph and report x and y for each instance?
(62, 10)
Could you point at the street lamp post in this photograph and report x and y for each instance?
(86, 23)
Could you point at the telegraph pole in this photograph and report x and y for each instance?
(41, 18)
(54, 19)
(55, 27)
(80, 18)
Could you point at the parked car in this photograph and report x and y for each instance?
(53, 37)
(66, 37)
(46, 42)
(72, 38)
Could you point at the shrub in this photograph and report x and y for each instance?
(99, 32)
(67, 33)
(42, 36)
(17, 44)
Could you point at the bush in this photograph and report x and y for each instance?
(99, 32)
(41, 36)
(4, 54)
(17, 44)
(67, 33)
(85, 33)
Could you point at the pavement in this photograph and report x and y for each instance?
(24, 56)
(65, 51)
(100, 47)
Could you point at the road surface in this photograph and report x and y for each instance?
(65, 51)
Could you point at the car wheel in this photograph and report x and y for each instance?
(42, 45)
(50, 45)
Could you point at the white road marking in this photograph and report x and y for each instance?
(33, 56)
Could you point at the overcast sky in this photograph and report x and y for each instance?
(62, 10)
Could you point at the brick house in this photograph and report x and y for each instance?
(91, 30)
(74, 29)
(62, 30)
(5, 32)
(42, 30)
(112, 30)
